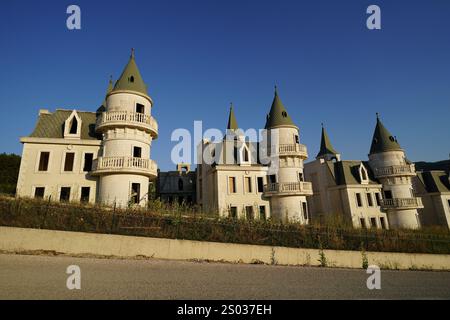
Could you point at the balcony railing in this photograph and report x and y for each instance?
(399, 170)
(401, 203)
(294, 149)
(146, 167)
(125, 118)
(299, 188)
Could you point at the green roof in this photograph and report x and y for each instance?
(325, 144)
(131, 79)
(434, 181)
(347, 172)
(232, 123)
(51, 125)
(383, 140)
(278, 116)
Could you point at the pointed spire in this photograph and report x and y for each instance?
(232, 123)
(325, 145)
(278, 115)
(383, 140)
(131, 79)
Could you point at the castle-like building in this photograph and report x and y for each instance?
(104, 157)
(101, 156)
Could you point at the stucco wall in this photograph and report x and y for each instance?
(76, 243)
(55, 177)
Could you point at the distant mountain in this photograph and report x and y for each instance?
(427, 166)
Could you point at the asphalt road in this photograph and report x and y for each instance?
(44, 277)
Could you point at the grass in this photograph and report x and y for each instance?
(175, 221)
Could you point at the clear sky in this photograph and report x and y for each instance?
(198, 56)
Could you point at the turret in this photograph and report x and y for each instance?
(390, 166)
(286, 187)
(128, 128)
(327, 152)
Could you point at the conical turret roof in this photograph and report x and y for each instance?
(232, 123)
(325, 145)
(131, 79)
(278, 115)
(383, 140)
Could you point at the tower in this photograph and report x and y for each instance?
(327, 152)
(390, 166)
(285, 186)
(124, 165)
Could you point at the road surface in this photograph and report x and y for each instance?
(44, 277)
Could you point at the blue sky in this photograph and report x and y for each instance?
(198, 56)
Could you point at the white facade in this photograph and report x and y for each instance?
(101, 157)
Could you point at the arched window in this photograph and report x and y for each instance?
(180, 184)
(73, 126)
(245, 154)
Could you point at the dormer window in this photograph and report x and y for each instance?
(363, 174)
(244, 155)
(131, 79)
(72, 126)
(284, 114)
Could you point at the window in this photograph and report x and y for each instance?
(248, 184)
(301, 177)
(369, 200)
(373, 222)
(135, 193)
(387, 194)
(140, 108)
(305, 210)
(378, 198)
(180, 184)
(383, 223)
(64, 195)
(85, 191)
(232, 184)
(364, 174)
(249, 212)
(137, 152)
(363, 223)
(358, 200)
(43, 161)
(131, 79)
(73, 126)
(272, 178)
(39, 192)
(88, 157)
(245, 155)
(68, 162)
(448, 203)
(296, 139)
(262, 212)
(233, 212)
(260, 184)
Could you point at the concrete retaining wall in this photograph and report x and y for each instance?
(77, 243)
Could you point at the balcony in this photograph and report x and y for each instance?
(392, 171)
(294, 149)
(127, 119)
(289, 188)
(401, 203)
(130, 165)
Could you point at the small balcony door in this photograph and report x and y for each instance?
(140, 108)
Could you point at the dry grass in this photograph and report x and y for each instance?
(184, 222)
